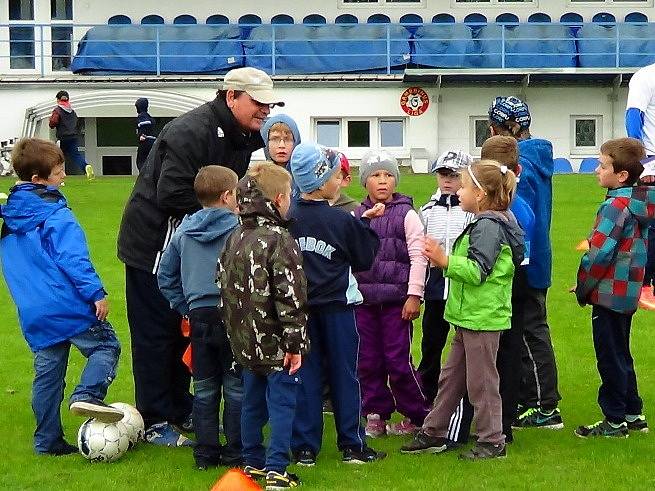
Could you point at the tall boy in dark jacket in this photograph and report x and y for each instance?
(334, 245)
(145, 129)
(264, 294)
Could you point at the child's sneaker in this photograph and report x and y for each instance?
(375, 427)
(254, 473)
(424, 443)
(603, 428)
(404, 427)
(61, 448)
(275, 480)
(165, 435)
(95, 408)
(363, 456)
(539, 418)
(485, 450)
(304, 457)
(636, 423)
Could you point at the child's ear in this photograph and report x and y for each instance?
(622, 176)
(35, 179)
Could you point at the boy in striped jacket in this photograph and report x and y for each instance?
(610, 279)
(444, 220)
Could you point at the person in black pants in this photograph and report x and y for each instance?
(224, 130)
(145, 127)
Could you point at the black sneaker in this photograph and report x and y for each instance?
(639, 424)
(254, 473)
(187, 425)
(275, 480)
(485, 450)
(61, 448)
(424, 443)
(603, 428)
(95, 408)
(304, 457)
(535, 417)
(363, 456)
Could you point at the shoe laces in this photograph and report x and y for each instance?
(528, 413)
(595, 425)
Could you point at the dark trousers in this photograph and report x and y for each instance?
(617, 395)
(161, 380)
(268, 398)
(214, 373)
(508, 363)
(435, 335)
(69, 146)
(539, 374)
(142, 152)
(333, 338)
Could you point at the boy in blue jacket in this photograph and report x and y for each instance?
(187, 278)
(59, 297)
(281, 135)
(539, 396)
(334, 245)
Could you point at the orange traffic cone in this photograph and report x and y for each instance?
(235, 480)
(582, 246)
(185, 327)
(647, 299)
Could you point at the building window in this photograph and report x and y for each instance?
(328, 133)
(479, 132)
(21, 9)
(62, 38)
(585, 134)
(392, 133)
(359, 133)
(21, 47)
(493, 2)
(61, 9)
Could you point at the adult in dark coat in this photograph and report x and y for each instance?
(145, 131)
(224, 131)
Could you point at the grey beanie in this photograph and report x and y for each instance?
(375, 160)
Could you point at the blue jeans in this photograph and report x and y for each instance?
(213, 371)
(69, 145)
(101, 348)
(269, 398)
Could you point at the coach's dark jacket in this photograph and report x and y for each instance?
(163, 193)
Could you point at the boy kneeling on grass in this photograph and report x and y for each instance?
(59, 297)
(610, 278)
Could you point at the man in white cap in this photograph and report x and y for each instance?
(224, 131)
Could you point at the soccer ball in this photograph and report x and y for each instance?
(132, 421)
(102, 442)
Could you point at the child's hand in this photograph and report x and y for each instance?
(375, 212)
(412, 308)
(293, 362)
(102, 309)
(435, 252)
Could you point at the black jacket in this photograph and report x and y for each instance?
(145, 124)
(163, 193)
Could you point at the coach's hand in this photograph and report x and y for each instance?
(412, 308)
(102, 309)
(293, 362)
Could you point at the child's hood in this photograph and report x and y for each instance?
(254, 207)
(640, 201)
(208, 224)
(279, 118)
(141, 105)
(539, 153)
(513, 232)
(29, 205)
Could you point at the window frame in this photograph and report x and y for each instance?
(495, 4)
(420, 4)
(403, 122)
(590, 150)
(614, 3)
(72, 9)
(475, 150)
(315, 125)
(375, 134)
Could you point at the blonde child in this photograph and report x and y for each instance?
(481, 269)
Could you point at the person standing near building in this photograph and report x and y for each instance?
(224, 130)
(145, 128)
(64, 120)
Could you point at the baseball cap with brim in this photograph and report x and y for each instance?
(453, 161)
(256, 83)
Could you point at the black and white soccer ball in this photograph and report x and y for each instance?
(133, 422)
(102, 442)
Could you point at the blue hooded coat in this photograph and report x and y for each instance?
(45, 262)
(266, 128)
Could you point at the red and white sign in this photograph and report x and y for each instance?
(414, 101)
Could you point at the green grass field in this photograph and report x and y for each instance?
(539, 459)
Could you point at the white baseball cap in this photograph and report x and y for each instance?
(256, 83)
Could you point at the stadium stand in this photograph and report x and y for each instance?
(588, 165)
(562, 166)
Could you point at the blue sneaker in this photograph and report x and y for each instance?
(539, 418)
(165, 435)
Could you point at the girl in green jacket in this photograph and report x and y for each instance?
(481, 268)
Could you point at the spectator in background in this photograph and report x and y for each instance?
(145, 128)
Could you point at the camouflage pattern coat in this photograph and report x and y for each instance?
(264, 289)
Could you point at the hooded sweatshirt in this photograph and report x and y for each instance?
(187, 272)
(145, 124)
(45, 261)
(266, 128)
(536, 188)
(264, 290)
(481, 270)
(612, 270)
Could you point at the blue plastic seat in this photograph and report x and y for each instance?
(596, 46)
(540, 46)
(562, 166)
(588, 165)
(441, 45)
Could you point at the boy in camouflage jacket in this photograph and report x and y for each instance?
(264, 305)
